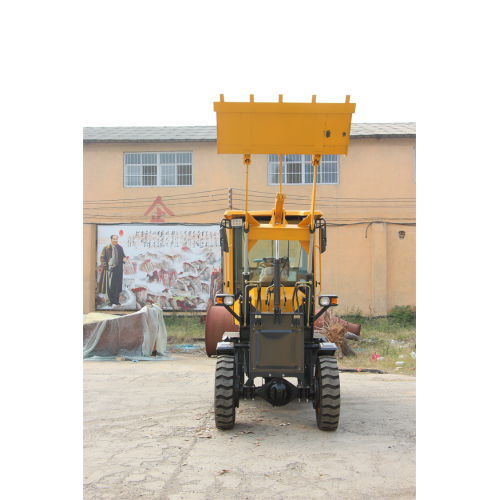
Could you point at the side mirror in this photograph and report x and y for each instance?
(223, 240)
(322, 238)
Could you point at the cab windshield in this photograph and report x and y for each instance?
(293, 265)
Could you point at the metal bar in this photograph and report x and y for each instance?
(320, 283)
(309, 291)
(311, 253)
(291, 232)
(232, 312)
(245, 263)
(277, 281)
(245, 303)
(225, 288)
(246, 200)
(281, 159)
(315, 161)
(320, 313)
(247, 160)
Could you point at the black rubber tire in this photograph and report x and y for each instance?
(328, 397)
(224, 396)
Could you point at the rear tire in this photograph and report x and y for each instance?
(225, 393)
(328, 393)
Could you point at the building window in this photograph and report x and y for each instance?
(158, 169)
(298, 169)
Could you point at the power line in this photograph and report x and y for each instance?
(252, 197)
(169, 197)
(320, 205)
(319, 197)
(117, 207)
(305, 198)
(329, 224)
(169, 216)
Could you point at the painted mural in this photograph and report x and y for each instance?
(175, 266)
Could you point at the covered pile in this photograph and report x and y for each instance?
(137, 335)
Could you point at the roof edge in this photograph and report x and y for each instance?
(207, 133)
(88, 141)
(383, 136)
(130, 141)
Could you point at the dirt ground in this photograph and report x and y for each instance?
(149, 433)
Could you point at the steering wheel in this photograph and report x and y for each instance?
(265, 265)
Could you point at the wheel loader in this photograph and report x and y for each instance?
(262, 326)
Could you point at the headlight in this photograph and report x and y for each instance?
(328, 300)
(324, 301)
(224, 300)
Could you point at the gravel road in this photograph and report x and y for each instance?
(149, 433)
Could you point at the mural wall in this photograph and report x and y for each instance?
(175, 266)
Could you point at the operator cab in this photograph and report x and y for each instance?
(261, 259)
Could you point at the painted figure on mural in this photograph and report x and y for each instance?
(111, 279)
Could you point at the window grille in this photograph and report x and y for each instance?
(298, 169)
(158, 169)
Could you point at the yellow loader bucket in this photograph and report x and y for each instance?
(283, 128)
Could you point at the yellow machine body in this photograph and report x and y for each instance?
(280, 128)
(272, 268)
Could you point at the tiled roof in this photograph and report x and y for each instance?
(384, 129)
(208, 133)
(149, 134)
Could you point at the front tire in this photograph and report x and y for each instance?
(225, 393)
(327, 400)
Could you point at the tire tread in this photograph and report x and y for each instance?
(327, 418)
(224, 404)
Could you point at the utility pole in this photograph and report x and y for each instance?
(230, 198)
